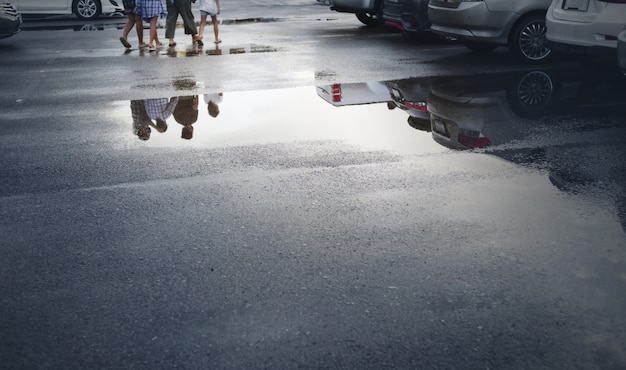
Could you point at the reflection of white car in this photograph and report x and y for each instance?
(83, 9)
(585, 26)
(354, 93)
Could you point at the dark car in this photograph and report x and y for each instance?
(10, 20)
(409, 16)
(369, 12)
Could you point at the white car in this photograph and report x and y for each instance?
(587, 27)
(83, 9)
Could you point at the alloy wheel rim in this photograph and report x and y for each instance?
(532, 41)
(86, 8)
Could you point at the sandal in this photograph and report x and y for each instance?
(125, 42)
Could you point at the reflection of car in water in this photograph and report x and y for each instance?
(10, 20)
(493, 109)
(354, 93)
(570, 122)
(411, 95)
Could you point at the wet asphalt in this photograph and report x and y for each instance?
(294, 231)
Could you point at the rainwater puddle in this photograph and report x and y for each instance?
(364, 116)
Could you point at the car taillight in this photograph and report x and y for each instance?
(473, 139)
(336, 93)
(420, 105)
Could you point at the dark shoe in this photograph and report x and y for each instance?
(125, 42)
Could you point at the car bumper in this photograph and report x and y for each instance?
(406, 17)
(600, 32)
(9, 25)
(470, 21)
(352, 6)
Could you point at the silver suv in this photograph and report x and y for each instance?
(486, 24)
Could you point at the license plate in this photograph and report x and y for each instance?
(580, 5)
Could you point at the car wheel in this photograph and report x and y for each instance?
(372, 19)
(532, 95)
(87, 9)
(528, 39)
(480, 47)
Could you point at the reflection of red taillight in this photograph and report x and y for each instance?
(421, 106)
(473, 139)
(336, 92)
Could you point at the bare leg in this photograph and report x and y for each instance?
(202, 25)
(127, 27)
(215, 29)
(139, 28)
(153, 32)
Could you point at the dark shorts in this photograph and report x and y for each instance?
(128, 4)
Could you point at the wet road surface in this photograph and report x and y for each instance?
(315, 225)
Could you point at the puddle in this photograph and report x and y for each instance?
(368, 120)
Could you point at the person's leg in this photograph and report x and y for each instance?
(127, 27)
(139, 28)
(202, 25)
(184, 7)
(170, 22)
(215, 29)
(153, 32)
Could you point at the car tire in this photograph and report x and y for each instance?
(480, 47)
(87, 9)
(527, 40)
(372, 19)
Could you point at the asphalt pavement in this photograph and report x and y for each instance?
(297, 231)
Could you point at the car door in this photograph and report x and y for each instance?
(43, 6)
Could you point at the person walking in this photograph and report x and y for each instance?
(182, 8)
(133, 19)
(151, 10)
(209, 8)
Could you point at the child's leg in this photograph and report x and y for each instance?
(202, 25)
(215, 29)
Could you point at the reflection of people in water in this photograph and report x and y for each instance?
(212, 101)
(160, 110)
(141, 121)
(186, 113)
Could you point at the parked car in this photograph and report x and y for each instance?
(484, 25)
(621, 50)
(369, 12)
(10, 20)
(588, 28)
(408, 16)
(83, 9)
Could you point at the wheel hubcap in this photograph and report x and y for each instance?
(533, 41)
(86, 8)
